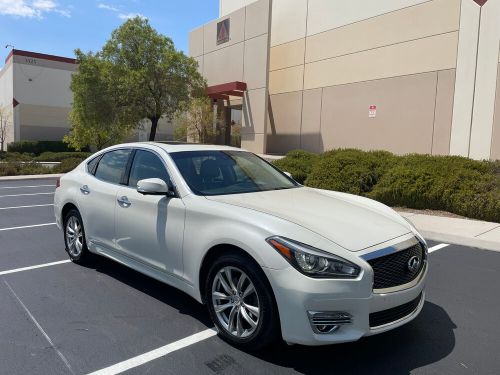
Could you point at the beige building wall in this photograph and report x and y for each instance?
(6, 100)
(245, 58)
(341, 58)
(431, 68)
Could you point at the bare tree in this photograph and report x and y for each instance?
(198, 122)
(4, 121)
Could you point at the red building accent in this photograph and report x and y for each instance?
(481, 2)
(18, 52)
(226, 90)
(14, 103)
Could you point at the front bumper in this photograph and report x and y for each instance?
(297, 294)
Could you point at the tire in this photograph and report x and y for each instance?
(232, 306)
(74, 238)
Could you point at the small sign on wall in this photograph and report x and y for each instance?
(372, 111)
(223, 28)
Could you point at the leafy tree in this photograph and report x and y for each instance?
(160, 80)
(4, 122)
(99, 115)
(196, 121)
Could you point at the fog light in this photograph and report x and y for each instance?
(328, 322)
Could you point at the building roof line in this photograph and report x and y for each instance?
(36, 55)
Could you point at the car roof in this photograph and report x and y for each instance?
(172, 147)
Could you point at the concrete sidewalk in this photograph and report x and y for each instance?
(474, 233)
(30, 177)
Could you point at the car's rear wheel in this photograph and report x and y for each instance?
(74, 237)
(241, 303)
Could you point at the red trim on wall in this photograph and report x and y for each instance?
(36, 55)
(481, 2)
(231, 88)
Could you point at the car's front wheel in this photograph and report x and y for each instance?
(241, 303)
(74, 237)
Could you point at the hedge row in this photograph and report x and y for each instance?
(455, 184)
(39, 147)
(17, 168)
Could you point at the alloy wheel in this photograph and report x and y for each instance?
(74, 236)
(235, 302)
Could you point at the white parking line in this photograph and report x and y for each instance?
(155, 354)
(27, 226)
(29, 186)
(22, 195)
(35, 205)
(63, 358)
(438, 247)
(8, 272)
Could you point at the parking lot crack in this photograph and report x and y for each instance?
(39, 327)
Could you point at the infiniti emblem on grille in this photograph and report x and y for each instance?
(413, 263)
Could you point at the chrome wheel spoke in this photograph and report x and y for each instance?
(253, 310)
(221, 308)
(247, 318)
(241, 281)
(249, 290)
(232, 319)
(229, 277)
(239, 325)
(224, 283)
(220, 296)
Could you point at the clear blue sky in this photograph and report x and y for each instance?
(59, 26)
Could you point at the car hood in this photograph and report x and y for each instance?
(352, 222)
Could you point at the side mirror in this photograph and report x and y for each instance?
(288, 174)
(152, 186)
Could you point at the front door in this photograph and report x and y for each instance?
(149, 228)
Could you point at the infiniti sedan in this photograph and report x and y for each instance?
(269, 257)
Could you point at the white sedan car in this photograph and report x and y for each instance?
(268, 256)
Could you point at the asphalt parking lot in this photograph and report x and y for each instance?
(62, 318)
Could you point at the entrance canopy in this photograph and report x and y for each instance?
(226, 90)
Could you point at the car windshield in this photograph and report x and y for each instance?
(229, 172)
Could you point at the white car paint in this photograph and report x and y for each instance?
(168, 239)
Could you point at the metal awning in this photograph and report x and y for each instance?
(226, 90)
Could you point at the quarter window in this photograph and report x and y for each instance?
(112, 166)
(147, 165)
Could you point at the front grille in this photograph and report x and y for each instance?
(381, 318)
(392, 270)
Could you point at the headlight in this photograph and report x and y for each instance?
(313, 262)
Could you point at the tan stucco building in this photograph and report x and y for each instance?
(35, 92)
(402, 75)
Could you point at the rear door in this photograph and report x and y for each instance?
(150, 228)
(97, 197)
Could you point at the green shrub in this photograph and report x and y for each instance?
(15, 168)
(38, 147)
(15, 156)
(60, 156)
(351, 171)
(67, 165)
(450, 183)
(299, 163)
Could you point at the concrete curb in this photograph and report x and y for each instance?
(461, 240)
(31, 177)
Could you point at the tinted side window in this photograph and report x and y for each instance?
(147, 165)
(91, 165)
(112, 166)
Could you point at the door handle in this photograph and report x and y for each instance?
(124, 202)
(85, 190)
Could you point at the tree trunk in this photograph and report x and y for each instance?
(154, 126)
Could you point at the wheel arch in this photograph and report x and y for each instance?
(66, 208)
(216, 251)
